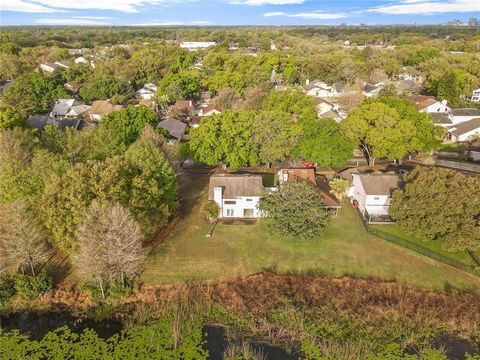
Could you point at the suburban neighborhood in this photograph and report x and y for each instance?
(240, 192)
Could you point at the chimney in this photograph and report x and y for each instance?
(307, 81)
(218, 198)
(444, 102)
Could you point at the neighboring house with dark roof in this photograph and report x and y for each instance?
(40, 121)
(464, 114)
(237, 195)
(429, 104)
(442, 119)
(101, 108)
(175, 128)
(372, 90)
(62, 107)
(465, 131)
(338, 87)
(372, 193)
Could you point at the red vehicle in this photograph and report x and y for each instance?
(308, 165)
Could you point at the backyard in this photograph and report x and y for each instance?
(345, 248)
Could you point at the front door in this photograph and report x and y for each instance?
(248, 213)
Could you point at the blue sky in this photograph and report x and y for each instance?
(234, 12)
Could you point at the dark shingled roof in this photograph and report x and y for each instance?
(175, 127)
(466, 112)
(40, 121)
(236, 185)
(380, 184)
(440, 118)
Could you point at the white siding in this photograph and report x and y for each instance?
(377, 204)
(237, 210)
(372, 204)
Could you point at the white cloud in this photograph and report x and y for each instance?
(274, 13)
(24, 6)
(39, 6)
(427, 7)
(310, 15)
(266, 2)
(69, 21)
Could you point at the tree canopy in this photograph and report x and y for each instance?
(323, 142)
(440, 203)
(128, 123)
(296, 210)
(275, 135)
(389, 128)
(31, 93)
(292, 101)
(225, 138)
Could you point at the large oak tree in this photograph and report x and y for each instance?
(440, 203)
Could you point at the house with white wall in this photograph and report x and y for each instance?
(317, 88)
(209, 110)
(465, 131)
(428, 104)
(51, 67)
(237, 195)
(461, 115)
(147, 92)
(475, 95)
(372, 193)
(197, 45)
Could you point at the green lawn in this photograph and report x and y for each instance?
(433, 245)
(346, 248)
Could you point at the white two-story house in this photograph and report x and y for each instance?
(237, 195)
(372, 193)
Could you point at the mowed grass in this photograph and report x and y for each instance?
(432, 245)
(345, 249)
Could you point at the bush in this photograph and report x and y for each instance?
(118, 290)
(113, 290)
(30, 286)
(7, 288)
(211, 209)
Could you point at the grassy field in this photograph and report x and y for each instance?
(433, 245)
(346, 248)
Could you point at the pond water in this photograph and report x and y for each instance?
(36, 325)
(217, 343)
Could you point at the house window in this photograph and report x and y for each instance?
(230, 202)
(230, 212)
(376, 198)
(249, 199)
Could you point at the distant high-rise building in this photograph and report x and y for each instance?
(456, 22)
(474, 22)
